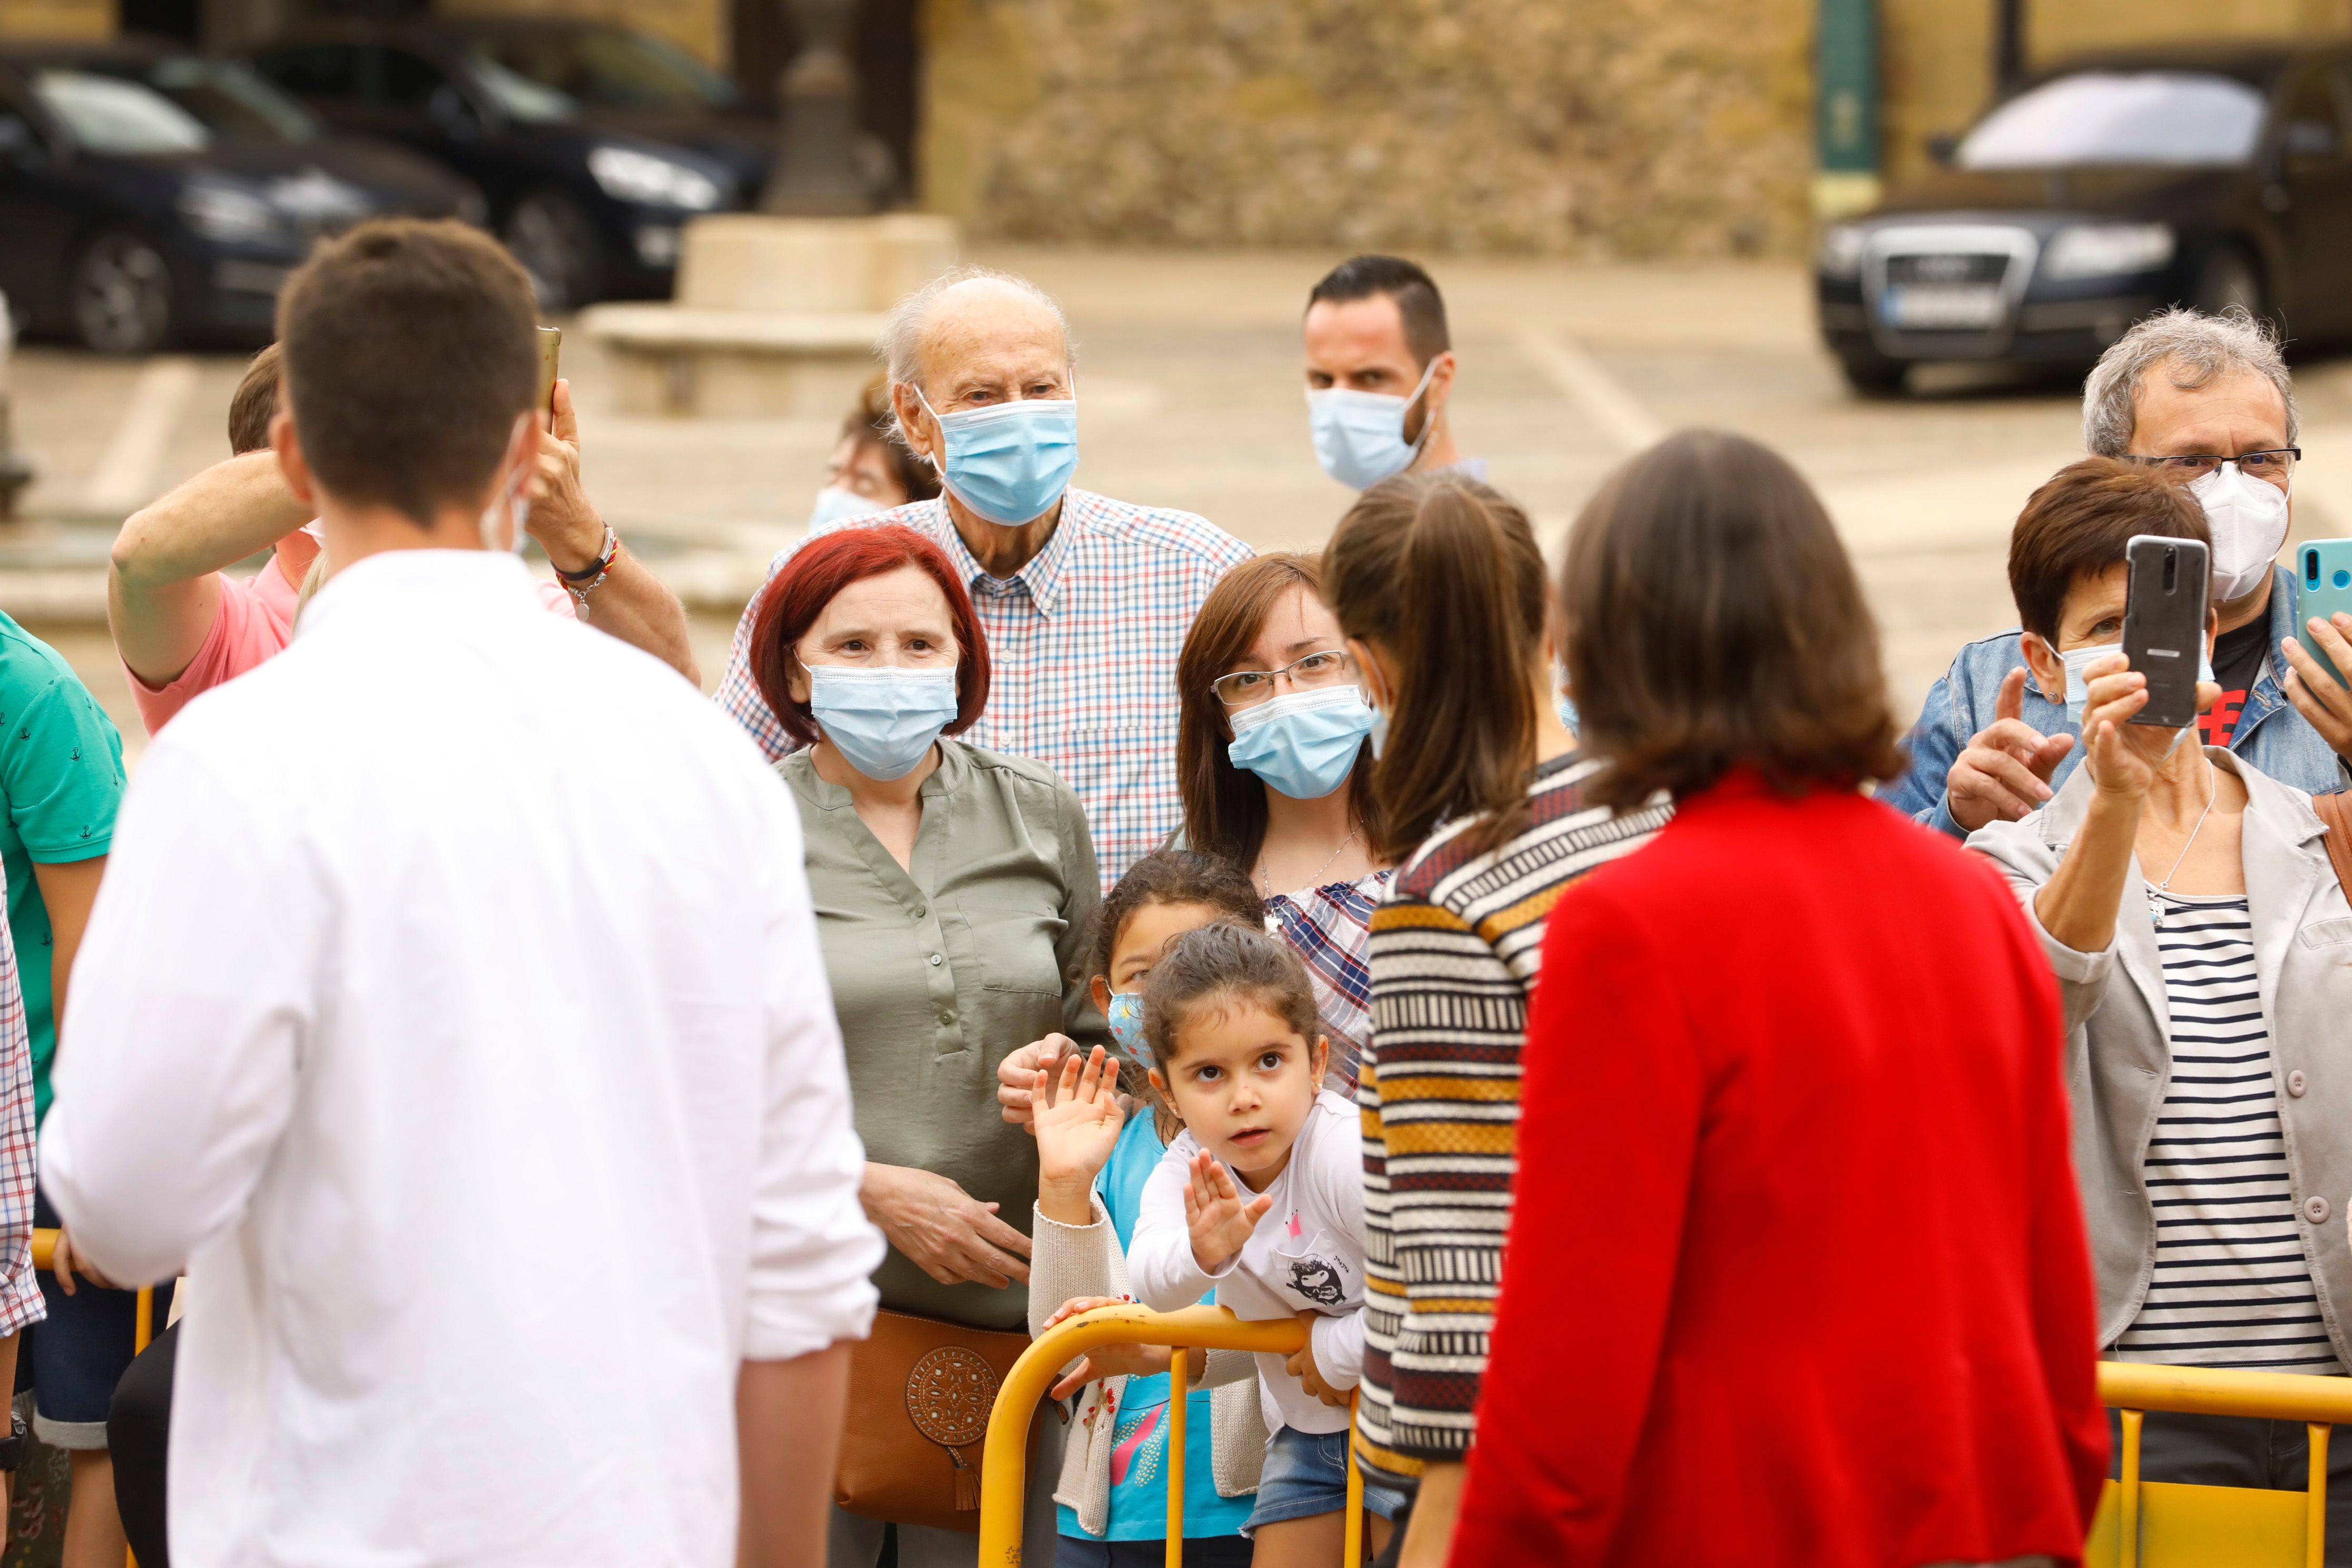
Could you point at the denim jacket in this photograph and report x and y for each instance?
(2269, 734)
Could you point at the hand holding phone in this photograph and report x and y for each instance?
(551, 348)
(2164, 624)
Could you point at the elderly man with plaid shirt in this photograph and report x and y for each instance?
(1085, 600)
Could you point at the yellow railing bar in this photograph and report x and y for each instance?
(1003, 1472)
(2319, 1403)
(1180, 1396)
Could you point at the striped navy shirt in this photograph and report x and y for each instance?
(2233, 1284)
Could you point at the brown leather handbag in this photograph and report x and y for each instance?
(920, 1391)
(2335, 814)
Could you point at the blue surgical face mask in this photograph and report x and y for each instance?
(2078, 684)
(835, 502)
(1360, 436)
(1126, 1025)
(1562, 702)
(1010, 462)
(1302, 743)
(882, 721)
(1378, 734)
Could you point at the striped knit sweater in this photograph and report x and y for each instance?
(1455, 951)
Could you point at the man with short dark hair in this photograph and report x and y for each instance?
(453, 1014)
(1380, 370)
(183, 624)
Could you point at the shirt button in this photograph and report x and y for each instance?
(2296, 1083)
(935, 961)
(2315, 1210)
(921, 912)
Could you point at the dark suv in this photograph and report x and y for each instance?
(591, 142)
(2107, 188)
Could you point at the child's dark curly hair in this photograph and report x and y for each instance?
(1173, 876)
(1219, 962)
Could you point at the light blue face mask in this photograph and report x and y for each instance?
(1126, 1025)
(882, 721)
(1360, 436)
(2078, 684)
(1561, 701)
(835, 502)
(1010, 462)
(1378, 734)
(1302, 743)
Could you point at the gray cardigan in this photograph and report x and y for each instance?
(2118, 1041)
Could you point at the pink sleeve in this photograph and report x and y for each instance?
(253, 623)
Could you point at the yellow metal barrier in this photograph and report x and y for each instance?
(1004, 1479)
(2169, 1524)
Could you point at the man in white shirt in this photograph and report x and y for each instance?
(452, 1012)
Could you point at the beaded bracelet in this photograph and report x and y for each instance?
(588, 579)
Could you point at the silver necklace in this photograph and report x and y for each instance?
(1265, 877)
(2156, 894)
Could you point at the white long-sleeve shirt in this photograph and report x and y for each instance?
(452, 1010)
(1307, 1254)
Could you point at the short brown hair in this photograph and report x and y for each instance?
(873, 424)
(2077, 524)
(1224, 808)
(1222, 962)
(1713, 621)
(1419, 307)
(254, 403)
(409, 354)
(1441, 574)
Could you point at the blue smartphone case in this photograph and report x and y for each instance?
(2323, 571)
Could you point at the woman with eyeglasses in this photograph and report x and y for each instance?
(1273, 759)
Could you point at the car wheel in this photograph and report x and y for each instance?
(551, 237)
(121, 294)
(2227, 276)
(1873, 374)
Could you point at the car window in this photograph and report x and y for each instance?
(125, 119)
(409, 80)
(2169, 117)
(522, 98)
(313, 70)
(231, 100)
(2311, 130)
(609, 67)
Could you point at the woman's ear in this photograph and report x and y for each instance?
(797, 676)
(1099, 989)
(2049, 669)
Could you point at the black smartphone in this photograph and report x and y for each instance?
(2164, 624)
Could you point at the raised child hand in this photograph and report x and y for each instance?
(1220, 1221)
(1077, 1132)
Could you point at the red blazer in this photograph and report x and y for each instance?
(1796, 1271)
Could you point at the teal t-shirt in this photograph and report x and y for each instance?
(60, 780)
(1139, 1455)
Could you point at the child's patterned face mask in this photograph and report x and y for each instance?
(1126, 1025)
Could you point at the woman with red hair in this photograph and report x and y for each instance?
(953, 888)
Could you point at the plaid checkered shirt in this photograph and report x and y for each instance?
(20, 1293)
(1083, 641)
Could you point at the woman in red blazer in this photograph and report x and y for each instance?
(1797, 1272)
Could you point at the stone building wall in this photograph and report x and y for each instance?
(1563, 127)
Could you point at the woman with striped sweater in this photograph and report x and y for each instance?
(1439, 585)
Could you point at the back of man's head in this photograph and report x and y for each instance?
(254, 403)
(1418, 304)
(409, 354)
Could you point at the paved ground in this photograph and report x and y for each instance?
(1189, 397)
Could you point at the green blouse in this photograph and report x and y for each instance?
(939, 975)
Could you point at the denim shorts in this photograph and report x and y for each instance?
(73, 1357)
(1307, 1474)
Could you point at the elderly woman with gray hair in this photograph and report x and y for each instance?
(2207, 402)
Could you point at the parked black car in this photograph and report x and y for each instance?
(150, 196)
(593, 144)
(2106, 189)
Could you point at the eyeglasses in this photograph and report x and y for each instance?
(1248, 687)
(2277, 465)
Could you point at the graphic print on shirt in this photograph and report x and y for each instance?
(2238, 658)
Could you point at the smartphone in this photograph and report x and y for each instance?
(2164, 624)
(2325, 566)
(551, 348)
